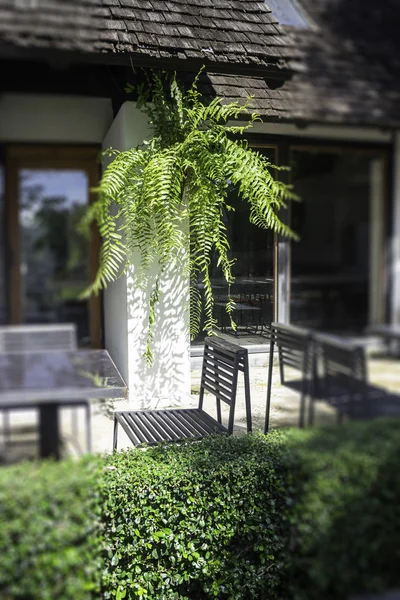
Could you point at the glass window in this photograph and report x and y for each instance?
(332, 266)
(253, 290)
(54, 255)
(3, 316)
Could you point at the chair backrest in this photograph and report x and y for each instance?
(344, 366)
(37, 338)
(222, 363)
(295, 346)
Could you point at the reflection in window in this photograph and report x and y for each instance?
(252, 291)
(54, 255)
(331, 265)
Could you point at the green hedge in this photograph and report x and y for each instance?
(347, 524)
(204, 520)
(49, 531)
(294, 515)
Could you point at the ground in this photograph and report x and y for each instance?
(383, 371)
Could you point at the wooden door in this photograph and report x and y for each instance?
(48, 262)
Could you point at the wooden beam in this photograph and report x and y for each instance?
(271, 71)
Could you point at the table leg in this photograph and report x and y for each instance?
(49, 431)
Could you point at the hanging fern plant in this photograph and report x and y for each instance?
(182, 176)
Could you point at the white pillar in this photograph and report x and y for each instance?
(167, 382)
(395, 262)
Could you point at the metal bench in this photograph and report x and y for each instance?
(295, 351)
(21, 339)
(222, 363)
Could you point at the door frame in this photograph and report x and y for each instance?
(77, 158)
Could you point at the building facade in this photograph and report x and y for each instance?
(326, 85)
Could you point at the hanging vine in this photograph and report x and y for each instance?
(148, 194)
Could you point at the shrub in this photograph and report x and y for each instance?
(295, 515)
(49, 534)
(346, 525)
(198, 520)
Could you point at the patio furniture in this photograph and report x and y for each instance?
(389, 333)
(295, 351)
(253, 305)
(344, 382)
(222, 363)
(51, 380)
(37, 338)
(40, 338)
(240, 309)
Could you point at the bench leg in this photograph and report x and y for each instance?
(311, 414)
(269, 385)
(115, 438)
(88, 428)
(281, 367)
(74, 422)
(247, 395)
(302, 409)
(6, 428)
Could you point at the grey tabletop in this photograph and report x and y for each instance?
(58, 377)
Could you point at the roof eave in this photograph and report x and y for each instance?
(279, 73)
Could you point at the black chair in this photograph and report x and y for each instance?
(343, 382)
(390, 334)
(295, 351)
(21, 339)
(222, 363)
(37, 338)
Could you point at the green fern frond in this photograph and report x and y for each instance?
(182, 175)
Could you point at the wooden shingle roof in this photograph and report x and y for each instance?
(229, 35)
(350, 68)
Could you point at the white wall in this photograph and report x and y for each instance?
(32, 118)
(167, 382)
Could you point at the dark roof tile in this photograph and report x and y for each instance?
(348, 70)
(134, 25)
(127, 38)
(212, 30)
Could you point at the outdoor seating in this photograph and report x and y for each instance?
(34, 339)
(342, 379)
(390, 335)
(333, 370)
(222, 363)
(295, 351)
(37, 338)
(51, 381)
(344, 383)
